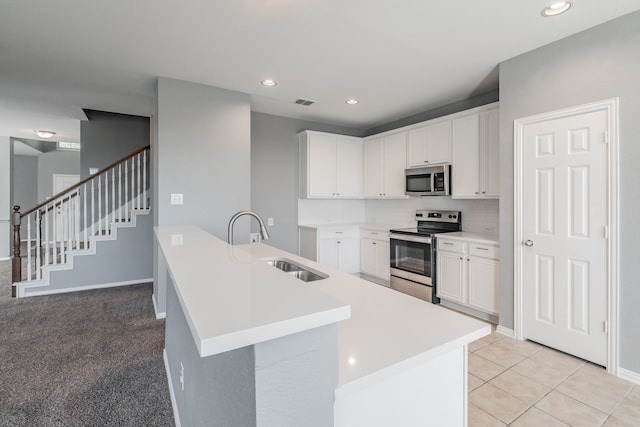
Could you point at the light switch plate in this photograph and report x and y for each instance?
(176, 198)
(93, 171)
(270, 222)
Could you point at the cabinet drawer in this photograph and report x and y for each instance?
(484, 251)
(450, 245)
(374, 235)
(338, 233)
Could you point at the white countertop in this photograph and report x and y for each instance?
(362, 225)
(388, 331)
(232, 300)
(491, 239)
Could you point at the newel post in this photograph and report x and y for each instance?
(16, 266)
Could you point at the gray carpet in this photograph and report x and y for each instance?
(91, 358)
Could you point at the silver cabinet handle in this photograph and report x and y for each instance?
(481, 249)
(528, 243)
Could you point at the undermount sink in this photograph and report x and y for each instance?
(296, 270)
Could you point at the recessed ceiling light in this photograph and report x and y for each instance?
(351, 101)
(269, 82)
(556, 8)
(46, 134)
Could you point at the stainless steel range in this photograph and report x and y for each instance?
(413, 253)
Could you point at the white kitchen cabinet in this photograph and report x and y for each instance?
(475, 146)
(384, 164)
(429, 144)
(330, 166)
(467, 273)
(374, 254)
(334, 247)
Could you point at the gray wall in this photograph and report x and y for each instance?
(25, 181)
(108, 137)
(55, 162)
(455, 107)
(6, 151)
(597, 64)
(274, 173)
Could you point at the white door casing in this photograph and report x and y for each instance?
(566, 231)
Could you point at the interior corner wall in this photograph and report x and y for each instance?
(5, 197)
(600, 63)
(274, 172)
(108, 137)
(203, 152)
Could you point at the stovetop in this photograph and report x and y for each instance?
(433, 222)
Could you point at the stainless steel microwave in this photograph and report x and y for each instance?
(428, 181)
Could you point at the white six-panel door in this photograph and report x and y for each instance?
(564, 234)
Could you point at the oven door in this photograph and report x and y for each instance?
(411, 257)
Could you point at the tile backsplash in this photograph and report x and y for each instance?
(478, 216)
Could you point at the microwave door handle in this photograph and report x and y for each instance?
(446, 180)
(432, 181)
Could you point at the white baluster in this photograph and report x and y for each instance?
(138, 183)
(38, 245)
(29, 247)
(133, 180)
(107, 226)
(120, 192)
(67, 225)
(93, 210)
(54, 212)
(84, 215)
(144, 180)
(76, 218)
(99, 205)
(46, 236)
(126, 192)
(113, 196)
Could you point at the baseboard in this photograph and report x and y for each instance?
(505, 331)
(174, 404)
(85, 288)
(5, 259)
(155, 309)
(628, 375)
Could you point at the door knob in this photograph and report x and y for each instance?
(528, 243)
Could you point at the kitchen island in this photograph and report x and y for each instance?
(384, 358)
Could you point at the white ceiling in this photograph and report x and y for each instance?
(397, 57)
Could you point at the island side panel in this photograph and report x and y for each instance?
(431, 394)
(296, 378)
(219, 390)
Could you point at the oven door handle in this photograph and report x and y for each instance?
(410, 238)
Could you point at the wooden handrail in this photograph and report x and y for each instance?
(84, 181)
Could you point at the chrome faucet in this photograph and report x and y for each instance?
(263, 230)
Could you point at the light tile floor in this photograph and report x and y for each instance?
(523, 384)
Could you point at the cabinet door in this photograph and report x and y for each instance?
(490, 153)
(483, 284)
(395, 162)
(348, 168)
(417, 147)
(451, 277)
(349, 255)
(439, 142)
(466, 157)
(322, 166)
(374, 168)
(328, 252)
(368, 256)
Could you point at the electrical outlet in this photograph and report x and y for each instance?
(489, 229)
(176, 198)
(182, 376)
(254, 237)
(177, 240)
(270, 222)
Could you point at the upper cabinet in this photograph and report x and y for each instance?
(429, 144)
(475, 145)
(385, 160)
(330, 166)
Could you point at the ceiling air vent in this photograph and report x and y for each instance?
(304, 101)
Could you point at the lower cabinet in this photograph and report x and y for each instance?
(335, 247)
(467, 273)
(374, 254)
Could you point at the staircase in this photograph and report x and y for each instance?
(83, 237)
